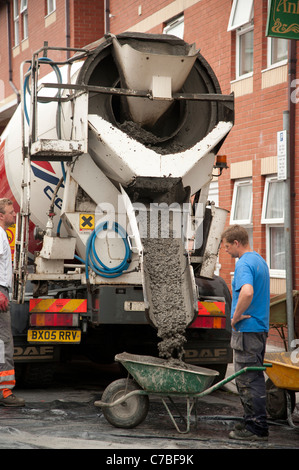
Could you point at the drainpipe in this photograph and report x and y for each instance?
(107, 16)
(67, 27)
(10, 74)
(289, 125)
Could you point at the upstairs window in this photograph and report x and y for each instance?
(241, 21)
(175, 27)
(241, 14)
(51, 6)
(24, 13)
(244, 51)
(16, 21)
(277, 51)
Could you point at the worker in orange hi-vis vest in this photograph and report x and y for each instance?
(7, 371)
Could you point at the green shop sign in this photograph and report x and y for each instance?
(283, 19)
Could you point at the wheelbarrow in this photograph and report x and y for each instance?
(282, 385)
(125, 402)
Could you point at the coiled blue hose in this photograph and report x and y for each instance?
(94, 262)
(27, 90)
(26, 81)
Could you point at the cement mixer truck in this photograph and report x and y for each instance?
(108, 160)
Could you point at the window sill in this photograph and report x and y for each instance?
(275, 66)
(50, 18)
(275, 75)
(243, 85)
(242, 77)
(277, 274)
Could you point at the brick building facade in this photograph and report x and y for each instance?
(231, 36)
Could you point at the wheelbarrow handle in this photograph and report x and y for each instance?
(230, 378)
(120, 400)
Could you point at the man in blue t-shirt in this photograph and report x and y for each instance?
(250, 324)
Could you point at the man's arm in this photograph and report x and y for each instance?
(245, 298)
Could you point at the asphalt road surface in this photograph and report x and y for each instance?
(63, 416)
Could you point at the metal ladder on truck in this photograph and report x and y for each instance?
(37, 149)
(43, 149)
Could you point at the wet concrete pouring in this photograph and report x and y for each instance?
(63, 416)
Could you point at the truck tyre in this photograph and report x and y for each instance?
(130, 412)
(34, 375)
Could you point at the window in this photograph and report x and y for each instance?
(241, 20)
(241, 210)
(242, 203)
(16, 22)
(244, 55)
(277, 51)
(175, 27)
(24, 13)
(241, 13)
(273, 203)
(273, 218)
(51, 6)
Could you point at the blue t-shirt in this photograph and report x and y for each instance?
(252, 269)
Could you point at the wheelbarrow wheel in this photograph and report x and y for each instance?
(276, 401)
(131, 411)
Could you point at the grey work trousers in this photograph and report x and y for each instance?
(249, 350)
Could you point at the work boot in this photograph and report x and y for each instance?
(12, 400)
(240, 425)
(245, 435)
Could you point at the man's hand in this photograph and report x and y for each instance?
(3, 302)
(245, 298)
(236, 320)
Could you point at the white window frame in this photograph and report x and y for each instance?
(241, 32)
(51, 6)
(16, 20)
(24, 6)
(172, 25)
(24, 13)
(247, 19)
(277, 222)
(275, 273)
(245, 222)
(265, 220)
(270, 63)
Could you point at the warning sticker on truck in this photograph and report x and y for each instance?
(87, 222)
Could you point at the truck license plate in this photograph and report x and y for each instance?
(54, 336)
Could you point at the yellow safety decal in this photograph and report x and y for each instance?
(58, 305)
(86, 222)
(211, 308)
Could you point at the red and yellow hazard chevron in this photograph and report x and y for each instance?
(210, 315)
(58, 305)
(213, 309)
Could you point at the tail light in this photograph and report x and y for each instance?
(54, 319)
(211, 314)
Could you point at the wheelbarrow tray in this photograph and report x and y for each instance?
(284, 373)
(155, 375)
